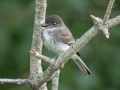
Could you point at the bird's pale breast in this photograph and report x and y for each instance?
(51, 43)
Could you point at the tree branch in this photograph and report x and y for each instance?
(106, 17)
(17, 81)
(114, 21)
(108, 11)
(44, 58)
(35, 63)
(55, 81)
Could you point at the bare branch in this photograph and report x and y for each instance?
(35, 63)
(114, 21)
(55, 81)
(17, 81)
(108, 11)
(44, 58)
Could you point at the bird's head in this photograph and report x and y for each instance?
(53, 21)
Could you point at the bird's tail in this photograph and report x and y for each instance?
(81, 65)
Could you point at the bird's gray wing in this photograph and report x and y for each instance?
(66, 36)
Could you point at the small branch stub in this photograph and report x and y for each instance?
(106, 33)
(96, 20)
(107, 36)
(32, 52)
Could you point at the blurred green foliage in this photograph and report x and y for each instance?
(101, 55)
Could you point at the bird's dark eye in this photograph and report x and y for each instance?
(54, 23)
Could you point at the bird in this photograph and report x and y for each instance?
(58, 38)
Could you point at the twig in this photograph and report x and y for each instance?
(108, 11)
(17, 81)
(106, 17)
(44, 58)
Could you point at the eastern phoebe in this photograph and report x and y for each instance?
(58, 38)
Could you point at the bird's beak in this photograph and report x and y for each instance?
(44, 25)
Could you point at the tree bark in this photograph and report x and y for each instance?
(35, 63)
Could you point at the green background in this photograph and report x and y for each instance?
(101, 55)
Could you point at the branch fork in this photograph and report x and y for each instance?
(98, 25)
